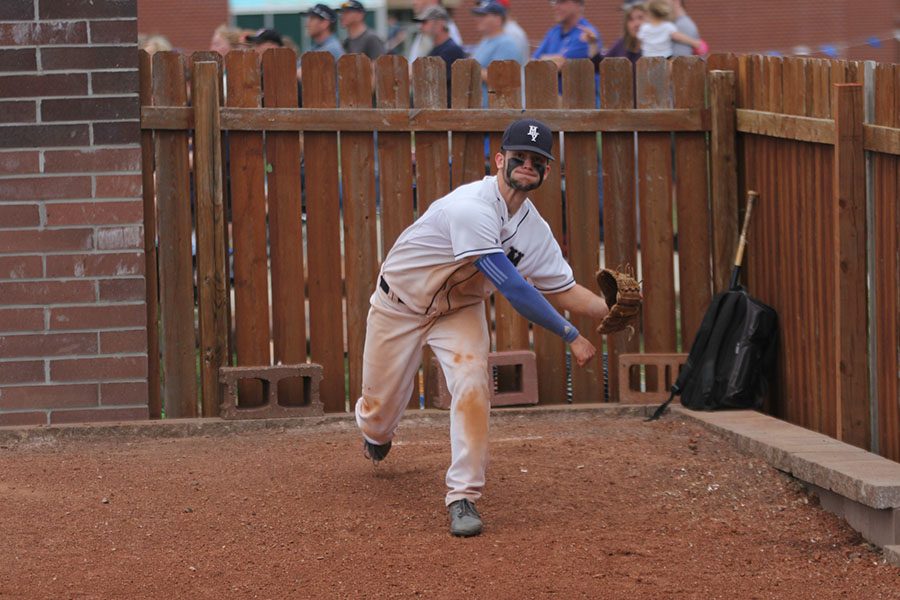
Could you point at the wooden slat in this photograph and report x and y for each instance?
(850, 368)
(251, 282)
(323, 233)
(360, 243)
(432, 163)
(394, 160)
(885, 140)
(619, 200)
(723, 171)
(394, 151)
(176, 272)
(887, 266)
(468, 148)
(807, 129)
(655, 192)
(151, 274)
(693, 208)
(432, 120)
(285, 225)
(549, 348)
(583, 217)
(505, 92)
(212, 300)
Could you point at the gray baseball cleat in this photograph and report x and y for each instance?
(375, 452)
(464, 519)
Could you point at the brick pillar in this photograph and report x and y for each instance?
(72, 312)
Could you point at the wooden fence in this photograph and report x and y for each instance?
(824, 246)
(374, 145)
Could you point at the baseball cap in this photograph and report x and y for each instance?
(353, 5)
(490, 7)
(432, 13)
(505, 3)
(324, 12)
(530, 135)
(265, 35)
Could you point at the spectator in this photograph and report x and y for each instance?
(658, 33)
(360, 39)
(434, 20)
(320, 23)
(421, 43)
(494, 44)
(515, 31)
(154, 43)
(396, 36)
(264, 39)
(225, 39)
(686, 26)
(563, 40)
(628, 46)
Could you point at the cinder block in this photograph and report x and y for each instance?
(527, 389)
(667, 367)
(310, 373)
(879, 526)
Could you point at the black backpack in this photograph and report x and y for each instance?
(732, 359)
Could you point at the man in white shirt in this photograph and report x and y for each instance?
(482, 236)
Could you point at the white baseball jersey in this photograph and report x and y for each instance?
(431, 266)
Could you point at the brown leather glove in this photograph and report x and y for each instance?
(623, 297)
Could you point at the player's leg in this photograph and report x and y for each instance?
(461, 343)
(391, 357)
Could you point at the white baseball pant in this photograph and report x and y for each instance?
(460, 340)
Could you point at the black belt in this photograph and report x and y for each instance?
(387, 289)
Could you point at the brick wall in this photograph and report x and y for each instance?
(188, 25)
(737, 26)
(72, 312)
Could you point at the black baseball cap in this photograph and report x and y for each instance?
(530, 135)
(324, 12)
(490, 7)
(265, 35)
(353, 5)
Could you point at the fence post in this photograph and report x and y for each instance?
(850, 370)
(210, 233)
(723, 167)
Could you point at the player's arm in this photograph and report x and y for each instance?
(531, 304)
(580, 300)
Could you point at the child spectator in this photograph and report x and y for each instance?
(659, 33)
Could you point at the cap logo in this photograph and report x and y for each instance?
(533, 132)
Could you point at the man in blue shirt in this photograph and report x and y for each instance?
(320, 24)
(494, 45)
(563, 41)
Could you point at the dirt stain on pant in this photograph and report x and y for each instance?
(371, 405)
(473, 411)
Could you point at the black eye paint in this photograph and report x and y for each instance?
(513, 163)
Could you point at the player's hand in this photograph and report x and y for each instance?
(582, 350)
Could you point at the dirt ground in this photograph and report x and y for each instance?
(574, 507)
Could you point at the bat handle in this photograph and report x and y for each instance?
(742, 243)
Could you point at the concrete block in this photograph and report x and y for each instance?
(526, 393)
(310, 373)
(879, 526)
(667, 367)
(892, 555)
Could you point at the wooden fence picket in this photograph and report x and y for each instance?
(323, 233)
(468, 148)
(285, 226)
(176, 282)
(582, 216)
(549, 348)
(360, 239)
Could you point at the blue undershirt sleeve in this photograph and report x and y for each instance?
(529, 302)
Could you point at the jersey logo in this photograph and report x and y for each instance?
(533, 132)
(514, 256)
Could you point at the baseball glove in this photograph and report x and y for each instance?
(623, 297)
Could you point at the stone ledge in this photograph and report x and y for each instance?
(892, 555)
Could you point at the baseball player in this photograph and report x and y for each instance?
(482, 236)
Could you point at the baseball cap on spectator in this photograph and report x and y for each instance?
(432, 13)
(353, 5)
(529, 135)
(265, 35)
(505, 3)
(324, 12)
(490, 7)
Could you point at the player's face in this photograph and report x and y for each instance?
(524, 170)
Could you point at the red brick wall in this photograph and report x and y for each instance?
(72, 311)
(188, 25)
(737, 26)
